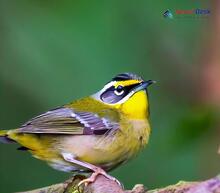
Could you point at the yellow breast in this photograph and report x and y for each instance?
(136, 108)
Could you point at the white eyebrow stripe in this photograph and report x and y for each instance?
(98, 94)
(107, 86)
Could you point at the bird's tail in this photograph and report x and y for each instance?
(4, 137)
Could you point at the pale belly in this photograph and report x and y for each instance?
(105, 151)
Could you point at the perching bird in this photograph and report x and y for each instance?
(93, 134)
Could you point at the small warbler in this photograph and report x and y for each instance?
(93, 134)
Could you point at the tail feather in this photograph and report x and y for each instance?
(4, 137)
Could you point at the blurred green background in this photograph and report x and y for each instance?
(52, 52)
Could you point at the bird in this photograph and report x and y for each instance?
(94, 134)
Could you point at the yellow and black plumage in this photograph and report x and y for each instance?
(96, 133)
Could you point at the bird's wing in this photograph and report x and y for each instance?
(67, 121)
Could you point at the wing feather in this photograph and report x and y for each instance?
(67, 121)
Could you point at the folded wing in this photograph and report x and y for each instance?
(67, 121)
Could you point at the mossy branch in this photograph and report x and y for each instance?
(104, 185)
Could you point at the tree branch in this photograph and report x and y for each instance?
(104, 185)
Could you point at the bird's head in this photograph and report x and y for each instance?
(126, 92)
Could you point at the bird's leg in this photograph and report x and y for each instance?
(96, 170)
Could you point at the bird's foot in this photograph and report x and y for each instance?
(98, 171)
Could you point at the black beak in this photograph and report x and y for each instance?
(143, 85)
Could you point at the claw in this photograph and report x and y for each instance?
(96, 170)
(92, 178)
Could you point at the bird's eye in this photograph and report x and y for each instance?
(119, 90)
